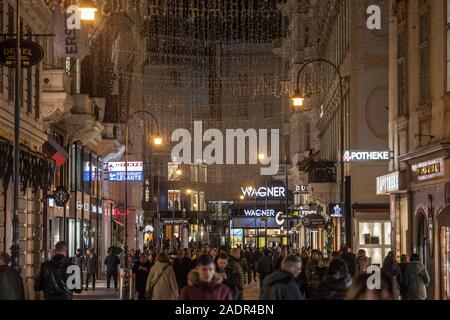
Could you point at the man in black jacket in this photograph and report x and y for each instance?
(181, 267)
(91, 268)
(251, 261)
(111, 263)
(11, 285)
(55, 279)
(282, 285)
(264, 267)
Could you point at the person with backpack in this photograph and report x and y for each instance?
(53, 276)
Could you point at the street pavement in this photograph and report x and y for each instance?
(251, 292)
(100, 293)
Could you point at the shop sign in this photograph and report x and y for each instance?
(314, 221)
(306, 211)
(259, 212)
(30, 53)
(174, 221)
(135, 171)
(303, 189)
(428, 170)
(388, 184)
(336, 210)
(366, 156)
(262, 192)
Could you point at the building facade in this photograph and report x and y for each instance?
(336, 31)
(419, 135)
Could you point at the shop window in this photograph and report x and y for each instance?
(174, 171)
(174, 200)
(375, 239)
(236, 238)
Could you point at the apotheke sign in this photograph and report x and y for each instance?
(366, 156)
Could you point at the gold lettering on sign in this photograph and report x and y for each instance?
(430, 169)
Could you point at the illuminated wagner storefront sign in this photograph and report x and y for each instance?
(366, 156)
(262, 192)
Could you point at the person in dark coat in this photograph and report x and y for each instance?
(283, 254)
(11, 284)
(207, 285)
(141, 270)
(390, 266)
(91, 268)
(235, 273)
(181, 267)
(111, 263)
(403, 264)
(350, 258)
(336, 282)
(251, 261)
(282, 284)
(53, 276)
(264, 267)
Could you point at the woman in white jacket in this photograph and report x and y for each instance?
(161, 281)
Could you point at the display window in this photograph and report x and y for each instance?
(237, 237)
(375, 239)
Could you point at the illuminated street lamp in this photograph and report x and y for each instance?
(261, 156)
(242, 197)
(178, 172)
(297, 99)
(157, 140)
(87, 10)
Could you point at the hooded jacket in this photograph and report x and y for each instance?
(214, 290)
(416, 281)
(52, 279)
(161, 282)
(333, 287)
(11, 285)
(281, 285)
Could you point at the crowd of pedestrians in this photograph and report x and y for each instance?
(205, 273)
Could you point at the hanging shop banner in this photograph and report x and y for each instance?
(366, 156)
(68, 42)
(336, 210)
(30, 53)
(135, 171)
(314, 221)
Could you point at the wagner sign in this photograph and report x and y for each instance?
(30, 53)
(259, 213)
(262, 192)
(366, 156)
